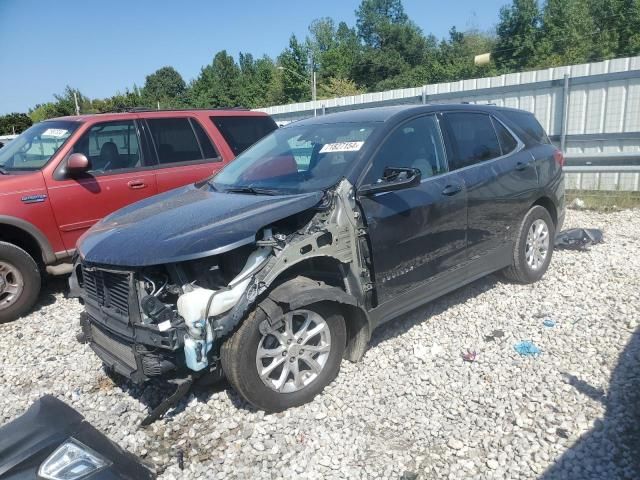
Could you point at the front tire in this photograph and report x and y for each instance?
(286, 366)
(19, 282)
(533, 247)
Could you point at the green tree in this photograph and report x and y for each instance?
(334, 51)
(66, 102)
(42, 111)
(338, 87)
(518, 34)
(257, 81)
(63, 105)
(165, 85)
(123, 101)
(218, 84)
(14, 123)
(293, 67)
(404, 55)
(566, 34)
(617, 27)
(373, 16)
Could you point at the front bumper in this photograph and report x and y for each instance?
(112, 325)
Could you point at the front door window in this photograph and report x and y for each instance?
(110, 146)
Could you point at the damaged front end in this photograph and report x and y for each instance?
(170, 320)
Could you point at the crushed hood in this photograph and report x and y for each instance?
(185, 224)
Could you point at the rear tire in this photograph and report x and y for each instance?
(248, 353)
(533, 247)
(20, 282)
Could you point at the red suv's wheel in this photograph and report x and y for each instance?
(19, 282)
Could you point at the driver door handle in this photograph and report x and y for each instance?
(136, 184)
(522, 165)
(452, 189)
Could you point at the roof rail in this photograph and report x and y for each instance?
(147, 109)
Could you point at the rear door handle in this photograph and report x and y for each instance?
(522, 165)
(136, 184)
(451, 189)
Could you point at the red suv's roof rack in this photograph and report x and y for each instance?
(147, 109)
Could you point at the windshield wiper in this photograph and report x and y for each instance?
(4, 171)
(252, 190)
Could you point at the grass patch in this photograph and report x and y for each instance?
(606, 201)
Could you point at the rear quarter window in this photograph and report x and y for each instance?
(242, 132)
(528, 124)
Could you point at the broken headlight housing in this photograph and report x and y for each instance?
(72, 461)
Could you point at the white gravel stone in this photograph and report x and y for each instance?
(412, 408)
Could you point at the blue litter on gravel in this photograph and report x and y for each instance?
(527, 348)
(549, 323)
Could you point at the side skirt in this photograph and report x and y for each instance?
(441, 285)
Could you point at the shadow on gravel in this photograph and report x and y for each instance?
(406, 322)
(611, 449)
(52, 287)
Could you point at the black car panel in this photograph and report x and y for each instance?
(27, 441)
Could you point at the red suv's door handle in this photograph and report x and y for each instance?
(136, 184)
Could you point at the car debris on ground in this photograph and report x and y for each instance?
(578, 238)
(527, 348)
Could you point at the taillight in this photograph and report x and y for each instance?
(559, 158)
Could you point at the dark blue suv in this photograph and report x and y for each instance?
(281, 265)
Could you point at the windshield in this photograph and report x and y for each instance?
(32, 149)
(296, 159)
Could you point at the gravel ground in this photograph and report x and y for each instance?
(412, 408)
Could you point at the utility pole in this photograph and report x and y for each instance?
(314, 92)
(75, 99)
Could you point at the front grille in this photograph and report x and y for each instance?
(108, 289)
(117, 349)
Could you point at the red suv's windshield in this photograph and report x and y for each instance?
(35, 146)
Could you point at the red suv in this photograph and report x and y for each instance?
(63, 175)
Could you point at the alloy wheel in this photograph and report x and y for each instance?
(537, 246)
(292, 355)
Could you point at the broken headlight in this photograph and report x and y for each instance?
(72, 461)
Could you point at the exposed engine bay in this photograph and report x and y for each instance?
(171, 319)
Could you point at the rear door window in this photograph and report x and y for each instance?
(176, 140)
(507, 142)
(242, 132)
(473, 138)
(528, 123)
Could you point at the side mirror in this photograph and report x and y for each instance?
(77, 163)
(394, 178)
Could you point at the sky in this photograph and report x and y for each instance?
(102, 47)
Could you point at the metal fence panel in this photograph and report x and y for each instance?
(602, 115)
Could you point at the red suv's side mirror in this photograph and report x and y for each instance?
(77, 163)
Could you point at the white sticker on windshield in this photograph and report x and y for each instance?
(341, 147)
(54, 132)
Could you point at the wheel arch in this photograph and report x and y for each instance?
(550, 206)
(298, 291)
(28, 237)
